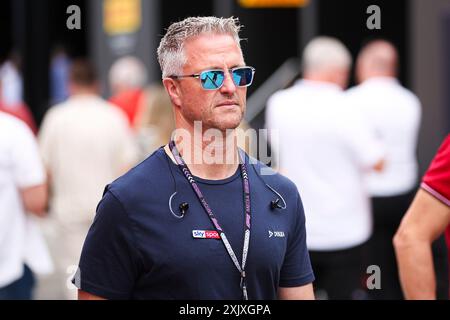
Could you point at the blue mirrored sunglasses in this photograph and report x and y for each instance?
(214, 79)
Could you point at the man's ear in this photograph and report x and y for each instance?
(173, 90)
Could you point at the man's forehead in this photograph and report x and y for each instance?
(212, 49)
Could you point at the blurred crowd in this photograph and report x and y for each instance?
(350, 151)
(352, 154)
(83, 143)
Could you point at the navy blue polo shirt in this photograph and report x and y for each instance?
(136, 248)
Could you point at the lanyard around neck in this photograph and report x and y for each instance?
(246, 185)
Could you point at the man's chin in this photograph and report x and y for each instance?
(228, 124)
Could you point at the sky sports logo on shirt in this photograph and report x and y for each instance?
(205, 234)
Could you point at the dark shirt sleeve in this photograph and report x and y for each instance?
(110, 261)
(297, 270)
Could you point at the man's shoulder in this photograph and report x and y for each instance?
(271, 177)
(99, 107)
(152, 174)
(409, 95)
(283, 94)
(362, 91)
(113, 110)
(89, 108)
(55, 112)
(13, 126)
(8, 120)
(405, 94)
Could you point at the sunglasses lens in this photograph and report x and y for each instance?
(212, 80)
(243, 77)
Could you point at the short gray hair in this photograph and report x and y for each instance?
(171, 55)
(323, 52)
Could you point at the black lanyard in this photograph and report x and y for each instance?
(246, 185)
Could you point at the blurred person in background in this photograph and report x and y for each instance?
(394, 113)
(59, 75)
(23, 193)
(154, 120)
(325, 148)
(426, 220)
(127, 78)
(11, 92)
(85, 143)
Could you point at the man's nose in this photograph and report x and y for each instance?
(228, 86)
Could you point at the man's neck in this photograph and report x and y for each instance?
(209, 160)
(378, 76)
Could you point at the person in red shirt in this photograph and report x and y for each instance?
(427, 218)
(127, 77)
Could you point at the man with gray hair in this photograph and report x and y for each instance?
(325, 149)
(196, 219)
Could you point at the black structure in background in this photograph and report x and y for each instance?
(33, 29)
(5, 30)
(36, 27)
(348, 23)
(74, 41)
(30, 39)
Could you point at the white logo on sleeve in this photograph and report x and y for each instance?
(276, 234)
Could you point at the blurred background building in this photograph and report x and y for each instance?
(276, 33)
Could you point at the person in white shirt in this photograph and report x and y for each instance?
(325, 149)
(85, 143)
(393, 113)
(23, 195)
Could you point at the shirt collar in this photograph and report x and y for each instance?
(381, 80)
(320, 85)
(84, 96)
